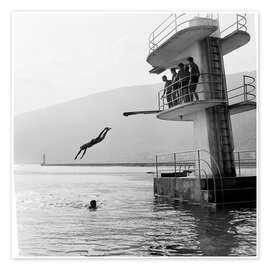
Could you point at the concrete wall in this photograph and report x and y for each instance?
(183, 189)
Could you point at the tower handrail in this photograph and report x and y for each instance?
(239, 24)
(248, 87)
(214, 179)
(240, 162)
(176, 23)
(183, 94)
(175, 162)
(219, 172)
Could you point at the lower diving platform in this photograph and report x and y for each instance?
(184, 111)
(192, 177)
(243, 106)
(230, 191)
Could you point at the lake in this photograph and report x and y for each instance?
(53, 218)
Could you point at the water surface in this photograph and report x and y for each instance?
(53, 219)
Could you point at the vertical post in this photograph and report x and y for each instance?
(237, 22)
(157, 166)
(175, 22)
(163, 105)
(239, 163)
(199, 164)
(174, 157)
(159, 100)
(153, 41)
(245, 88)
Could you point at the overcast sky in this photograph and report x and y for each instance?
(61, 56)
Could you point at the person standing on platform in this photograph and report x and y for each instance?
(194, 78)
(167, 90)
(183, 79)
(175, 87)
(187, 97)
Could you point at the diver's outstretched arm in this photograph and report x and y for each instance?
(78, 154)
(102, 136)
(83, 153)
(101, 133)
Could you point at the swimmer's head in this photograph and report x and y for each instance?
(93, 204)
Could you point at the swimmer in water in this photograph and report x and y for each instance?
(93, 205)
(94, 141)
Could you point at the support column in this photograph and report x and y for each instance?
(212, 126)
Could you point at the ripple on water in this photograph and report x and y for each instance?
(53, 220)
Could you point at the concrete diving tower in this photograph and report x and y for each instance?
(173, 41)
(213, 177)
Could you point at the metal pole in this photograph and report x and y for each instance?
(199, 164)
(245, 88)
(157, 166)
(175, 22)
(174, 157)
(239, 163)
(158, 100)
(163, 105)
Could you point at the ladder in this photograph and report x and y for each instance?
(220, 113)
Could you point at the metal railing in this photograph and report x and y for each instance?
(243, 93)
(239, 24)
(183, 91)
(245, 161)
(201, 164)
(179, 93)
(189, 163)
(174, 23)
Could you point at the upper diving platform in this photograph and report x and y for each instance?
(235, 35)
(175, 34)
(178, 32)
(180, 102)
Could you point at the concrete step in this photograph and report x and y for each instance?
(232, 195)
(229, 183)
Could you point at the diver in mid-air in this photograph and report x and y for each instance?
(94, 141)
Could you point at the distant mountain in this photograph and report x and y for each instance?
(59, 130)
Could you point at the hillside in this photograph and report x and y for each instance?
(59, 130)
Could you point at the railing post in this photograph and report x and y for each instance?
(199, 163)
(174, 157)
(162, 105)
(245, 88)
(157, 166)
(239, 163)
(159, 100)
(236, 21)
(175, 22)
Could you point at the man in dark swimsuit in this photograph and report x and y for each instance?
(175, 86)
(167, 91)
(194, 78)
(100, 137)
(93, 205)
(183, 79)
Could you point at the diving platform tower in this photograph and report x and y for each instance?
(212, 171)
(199, 36)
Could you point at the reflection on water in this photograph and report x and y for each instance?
(210, 232)
(53, 219)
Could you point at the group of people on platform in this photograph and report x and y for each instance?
(182, 86)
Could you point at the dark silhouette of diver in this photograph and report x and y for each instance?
(94, 141)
